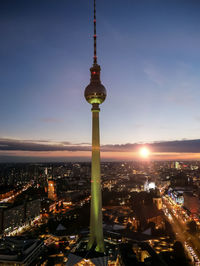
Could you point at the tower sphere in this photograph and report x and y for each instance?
(95, 92)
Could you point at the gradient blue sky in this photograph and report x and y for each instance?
(149, 52)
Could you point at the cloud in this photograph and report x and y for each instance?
(39, 145)
(178, 146)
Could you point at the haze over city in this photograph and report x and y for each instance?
(149, 54)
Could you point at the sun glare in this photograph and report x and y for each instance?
(144, 152)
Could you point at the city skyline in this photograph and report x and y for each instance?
(150, 54)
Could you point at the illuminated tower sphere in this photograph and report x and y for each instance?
(95, 94)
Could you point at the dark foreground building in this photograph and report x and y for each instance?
(19, 250)
(130, 252)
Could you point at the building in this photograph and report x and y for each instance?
(95, 94)
(177, 165)
(158, 202)
(138, 253)
(176, 195)
(98, 250)
(12, 217)
(94, 249)
(33, 209)
(19, 250)
(52, 190)
(121, 251)
(191, 203)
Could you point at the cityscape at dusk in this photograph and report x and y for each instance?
(150, 56)
(99, 143)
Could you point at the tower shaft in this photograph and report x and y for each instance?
(96, 228)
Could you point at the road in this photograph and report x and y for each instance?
(17, 193)
(180, 228)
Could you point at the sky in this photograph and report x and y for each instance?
(149, 52)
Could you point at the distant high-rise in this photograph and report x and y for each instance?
(95, 94)
(52, 190)
(46, 171)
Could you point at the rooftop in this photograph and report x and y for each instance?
(19, 249)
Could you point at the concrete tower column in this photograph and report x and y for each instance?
(96, 227)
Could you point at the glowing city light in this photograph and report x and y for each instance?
(144, 152)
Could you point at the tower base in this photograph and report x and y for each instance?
(81, 256)
(78, 260)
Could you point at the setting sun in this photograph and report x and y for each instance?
(144, 152)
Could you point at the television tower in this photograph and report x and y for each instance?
(95, 94)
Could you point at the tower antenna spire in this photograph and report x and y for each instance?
(95, 36)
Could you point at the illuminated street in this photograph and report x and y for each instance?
(12, 197)
(190, 241)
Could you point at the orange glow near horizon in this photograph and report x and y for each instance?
(115, 156)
